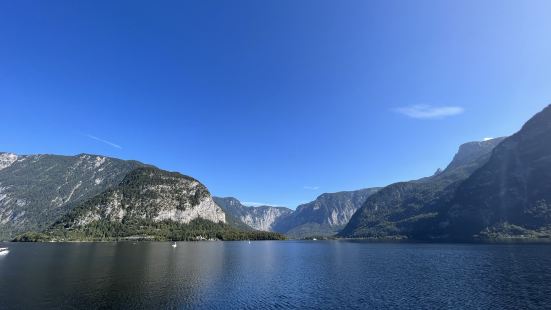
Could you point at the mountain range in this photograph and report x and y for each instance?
(498, 189)
(323, 217)
(494, 189)
(259, 218)
(384, 211)
(91, 197)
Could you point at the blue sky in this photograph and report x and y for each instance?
(271, 101)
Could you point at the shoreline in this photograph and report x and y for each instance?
(514, 241)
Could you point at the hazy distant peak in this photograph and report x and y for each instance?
(258, 217)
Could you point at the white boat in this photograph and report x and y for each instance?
(174, 245)
(4, 251)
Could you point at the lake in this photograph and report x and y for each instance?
(275, 275)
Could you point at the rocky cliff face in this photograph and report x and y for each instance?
(149, 194)
(36, 189)
(469, 153)
(259, 218)
(6, 159)
(324, 216)
(264, 217)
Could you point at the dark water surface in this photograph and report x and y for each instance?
(275, 274)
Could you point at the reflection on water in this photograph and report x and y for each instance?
(288, 274)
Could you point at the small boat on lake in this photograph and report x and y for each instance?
(4, 251)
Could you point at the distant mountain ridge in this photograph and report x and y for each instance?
(491, 190)
(324, 216)
(259, 218)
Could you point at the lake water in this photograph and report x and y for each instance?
(275, 275)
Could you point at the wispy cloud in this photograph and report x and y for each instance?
(487, 139)
(423, 111)
(105, 141)
(311, 188)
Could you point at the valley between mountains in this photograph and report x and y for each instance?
(498, 189)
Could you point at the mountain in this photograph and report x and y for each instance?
(510, 196)
(148, 203)
(92, 197)
(324, 216)
(403, 209)
(35, 190)
(150, 194)
(260, 218)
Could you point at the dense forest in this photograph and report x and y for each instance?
(197, 229)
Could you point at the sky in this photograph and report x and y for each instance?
(276, 101)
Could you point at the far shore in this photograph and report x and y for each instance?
(503, 241)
